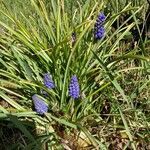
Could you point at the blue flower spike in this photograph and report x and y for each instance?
(101, 18)
(99, 33)
(99, 30)
(74, 90)
(40, 106)
(48, 82)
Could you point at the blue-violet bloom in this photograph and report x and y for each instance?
(101, 17)
(99, 33)
(74, 90)
(99, 30)
(48, 82)
(40, 106)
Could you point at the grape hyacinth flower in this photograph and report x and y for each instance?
(99, 30)
(40, 106)
(74, 90)
(101, 18)
(48, 82)
(99, 33)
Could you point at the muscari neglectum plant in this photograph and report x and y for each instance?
(48, 82)
(40, 106)
(42, 43)
(99, 29)
(74, 91)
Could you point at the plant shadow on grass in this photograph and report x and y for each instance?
(18, 134)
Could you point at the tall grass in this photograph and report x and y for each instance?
(113, 76)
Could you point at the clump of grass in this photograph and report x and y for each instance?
(94, 92)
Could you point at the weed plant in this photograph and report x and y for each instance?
(62, 88)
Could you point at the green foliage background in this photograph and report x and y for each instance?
(113, 76)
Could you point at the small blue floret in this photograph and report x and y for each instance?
(99, 30)
(48, 82)
(40, 106)
(74, 90)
